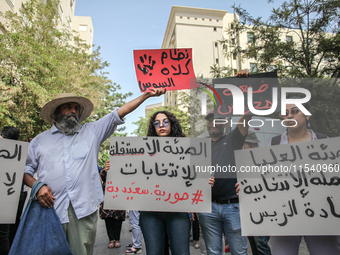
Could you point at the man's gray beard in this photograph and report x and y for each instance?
(217, 133)
(68, 126)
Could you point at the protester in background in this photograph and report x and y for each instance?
(155, 225)
(113, 218)
(8, 230)
(23, 195)
(10, 132)
(225, 215)
(195, 230)
(259, 244)
(65, 159)
(299, 131)
(136, 245)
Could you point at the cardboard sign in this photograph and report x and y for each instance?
(262, 96)
(12, 164)
(164, 68)
(290, 189)
(158, 174)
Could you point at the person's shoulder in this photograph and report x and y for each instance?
(41, 138)
(235, 132)
(318, 135)
(275, 140)
(47, 132)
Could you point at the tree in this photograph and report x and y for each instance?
(192, 101)
(143, 122)
(221, 71)
(112, 100)
(300, 40)
(39, 59)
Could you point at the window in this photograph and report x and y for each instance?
(215, 29)
(216, 60)
(234, 56)
(216, 44)
(250, 37)
(231, 26)
(61, 14)
(83, 28)
(233, 41)
(289, 38)
(271, 68)
(69, 21)
(253, 68)
(10, 3)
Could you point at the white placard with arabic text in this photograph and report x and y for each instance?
(12, 164)
(293, 189)
(158, 174)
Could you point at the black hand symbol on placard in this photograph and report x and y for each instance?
(147, 67)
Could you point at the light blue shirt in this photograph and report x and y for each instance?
(68, 165)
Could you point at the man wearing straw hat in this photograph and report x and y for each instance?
(65, 160)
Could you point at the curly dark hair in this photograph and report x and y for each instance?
(176, 129)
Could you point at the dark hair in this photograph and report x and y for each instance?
(10, 133)
(306, 105)
(176, 129)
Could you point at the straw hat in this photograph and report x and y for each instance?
(49, 108)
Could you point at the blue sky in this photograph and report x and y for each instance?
(126, 25)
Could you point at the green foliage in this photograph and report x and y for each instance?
(313, 52)
(112, 100)
(39, 59)
(143, 122)
(222, 72)
(314, 48)
(191, 102)
(325, 106)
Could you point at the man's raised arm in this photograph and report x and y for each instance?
(132, 105)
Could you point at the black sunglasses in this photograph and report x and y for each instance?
(292, 112)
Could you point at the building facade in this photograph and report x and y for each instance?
(81, 25)
(202, 29)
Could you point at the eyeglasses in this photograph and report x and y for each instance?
(157, 124)
(292, 112)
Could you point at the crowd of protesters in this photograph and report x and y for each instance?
(65, 160)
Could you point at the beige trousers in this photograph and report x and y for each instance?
(81, 234)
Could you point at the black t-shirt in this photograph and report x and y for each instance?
(223, 158)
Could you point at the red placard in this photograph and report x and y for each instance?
(164, 68)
